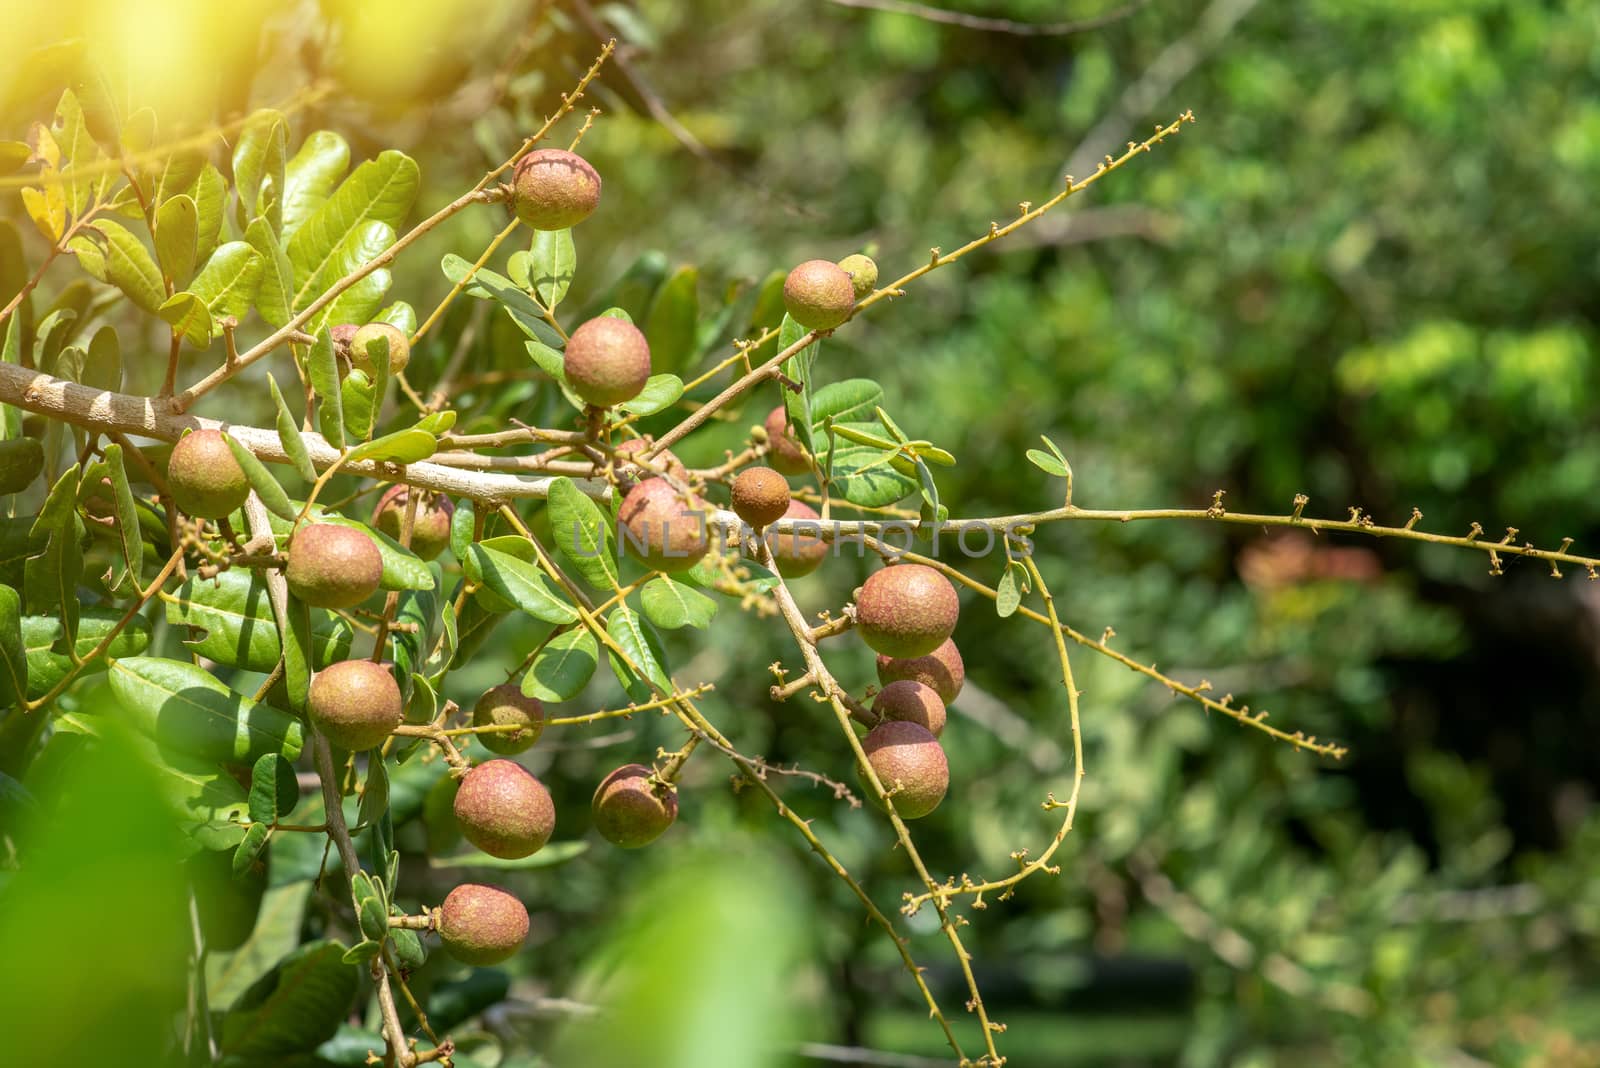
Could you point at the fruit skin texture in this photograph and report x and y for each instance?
(942, 669)
(333, 566)
(863, 273)
(911, 702)
(797, 555)
(356, 703)
(662, 530)
(783, 452)
(555, 189)
(430, 530)
(206, 480)
(21, 460)
(399, 347)
(819, 295)
(482, 925)
(631, 812)
(666, 459)
(910, 764)
(906, 610)
(504, 811)
(607, 361)
(507, 704)
(760, 496)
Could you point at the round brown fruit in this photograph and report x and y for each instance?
(911, 702)
(661, 529)
(819, 295)
(760, 496)
(333, 566)
(942, 669)
(21, 460)
(906, 610)
(356, 703)
(430, 528)
(482, 925)
(399, 347)
(910, 764)
(802, 552)
(630, 810)
(783, 452)
(607, 361)
(504, 811)
(863, 273)
(506, 705)
(206, 480)
(554, 189)
(665, 460)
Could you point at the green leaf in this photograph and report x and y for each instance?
(563, 667)
(660, 392)
(1008, 593)
(289, 435)
(309, 177)
(551, 263)
(362, 952)
(128, 265)
(210, 192)
(127, 513)
(227, 283)
(50, 579)
(582, 534)
(521, 584)
(487, 284)
(258, 168)
(671, 605)
(375, 796)
(250, 849)
(1047, 463)
(186, 710)
(357, 400)
(102, 367)
(189, 319)
(277, 274)
(402, 447)
(850, 401)
(462, 525)
(323, 371)
(552, 363)
(235, 613)
(357, 303)
(674, 314)
(294, 1008)
(13, 655)
(273, 789)
(177, 238)
(797, 368)
(262, 481)
(372, 905)
(552, 854)
(399, 314)
(854, 433)
(42, 634)
(635, 638)
(276, 933)
(335, 239)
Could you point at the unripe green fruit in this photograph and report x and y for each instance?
(941, 669)
(205, 479)
(555, 189)
(506, 705)
(21, 460)
(430, 528)
(607, 361)
(760, 496)
(819, 295)
(911, 766)
(399, 347)
(504, 811)
(356, 703)
(783, 452)
(631, 811)
(661, 529)
(799, 554)
(911, 702)
(906, 610)
(482, 925)
(665, 460)
(333, 566)
(863, 273)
